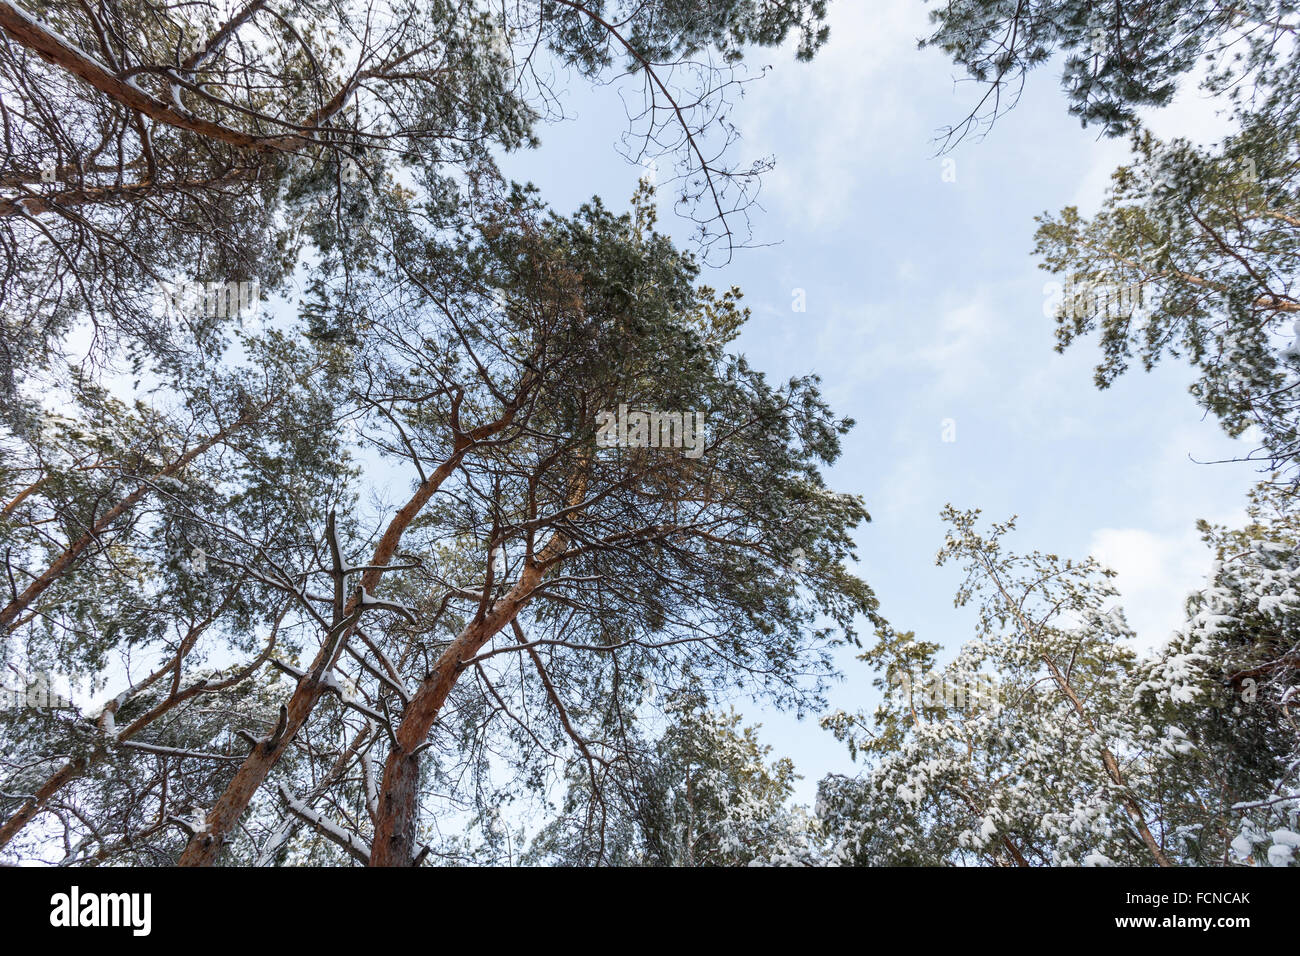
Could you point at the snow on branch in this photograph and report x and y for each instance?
(355, 847)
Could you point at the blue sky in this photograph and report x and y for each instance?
(924, 304)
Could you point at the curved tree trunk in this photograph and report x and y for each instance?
(397, 821)
(397, 824)
(204, 847)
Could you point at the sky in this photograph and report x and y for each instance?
(927, 318)
(923, 305)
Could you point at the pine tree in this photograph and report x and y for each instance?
(702, 794)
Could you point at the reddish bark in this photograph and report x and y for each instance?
(55, 49)
(397, 823)
(203, 848)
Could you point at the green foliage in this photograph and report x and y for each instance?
(1228, 677)
(1195, 254)
(1118, 57)
(1077, 743)
(702, 794)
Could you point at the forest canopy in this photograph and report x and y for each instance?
(393, 516)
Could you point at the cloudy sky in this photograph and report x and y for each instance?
(924, 304)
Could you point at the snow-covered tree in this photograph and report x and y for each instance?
(208, 141)
(1195, 252)
(106, 529)
(1047, 740)
(510, 614)
(1116, 57)
(1051, 767)
(703, 794)
(218, 535)
(1229, 678)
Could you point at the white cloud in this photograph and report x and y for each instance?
(1155, 573)
(832, 122)
(965, 335)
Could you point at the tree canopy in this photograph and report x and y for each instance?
(396, 518)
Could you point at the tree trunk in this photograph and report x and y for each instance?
(397, 823)
(203, 848)
(55, 49)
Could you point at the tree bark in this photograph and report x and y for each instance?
(203, 848)
(32, 806)
(397, 823)
(54, 48)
